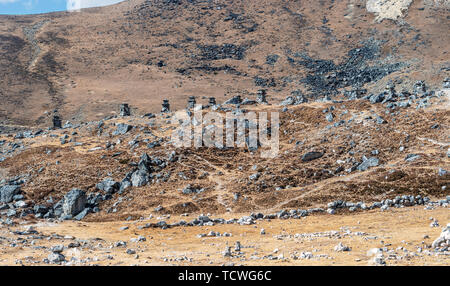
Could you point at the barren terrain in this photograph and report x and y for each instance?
(363, 97)
(405, 237)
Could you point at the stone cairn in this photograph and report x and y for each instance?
(165, 106)
(124, 110)
(191, 102)
(56, 122)
(261, 96)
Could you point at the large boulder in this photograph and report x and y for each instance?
(444, 239)
(74, 202)
(8, 192)
(108, 185)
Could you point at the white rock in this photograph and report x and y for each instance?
(443, 239)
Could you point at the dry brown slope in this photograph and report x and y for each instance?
(142, 51)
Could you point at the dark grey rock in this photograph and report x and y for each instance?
(20, 204)
(288, 101)
(145, 163)
(125, 110)
(108, 185)
(261, 96)
(191, 190)
(212, 101)
(247, 101)
(82, 214)
(8, 192)
(191, 102)
(165, 106)
(40, 209)
(74, 202)
(122, 128)
(125, 184)
(272, 59)
(234, 100)
(57, 123)
(311, 156)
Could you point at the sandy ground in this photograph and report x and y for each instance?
(408, 228)
(83, 65)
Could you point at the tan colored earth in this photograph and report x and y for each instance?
(407, 228)
(81, 66)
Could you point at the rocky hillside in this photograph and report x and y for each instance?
(362, 90)
(81, 65)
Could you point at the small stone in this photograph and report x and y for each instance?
(56, 257)
(366, 164)
(57, 248)
(237, 246)
(340, 248)
(434, 223)
(131, 251)
(227, 252)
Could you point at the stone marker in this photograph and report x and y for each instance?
(56, 122)
(261, 96)
(165, 106)
(125, 110)
(191, 102)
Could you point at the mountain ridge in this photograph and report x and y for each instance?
(144, 51)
